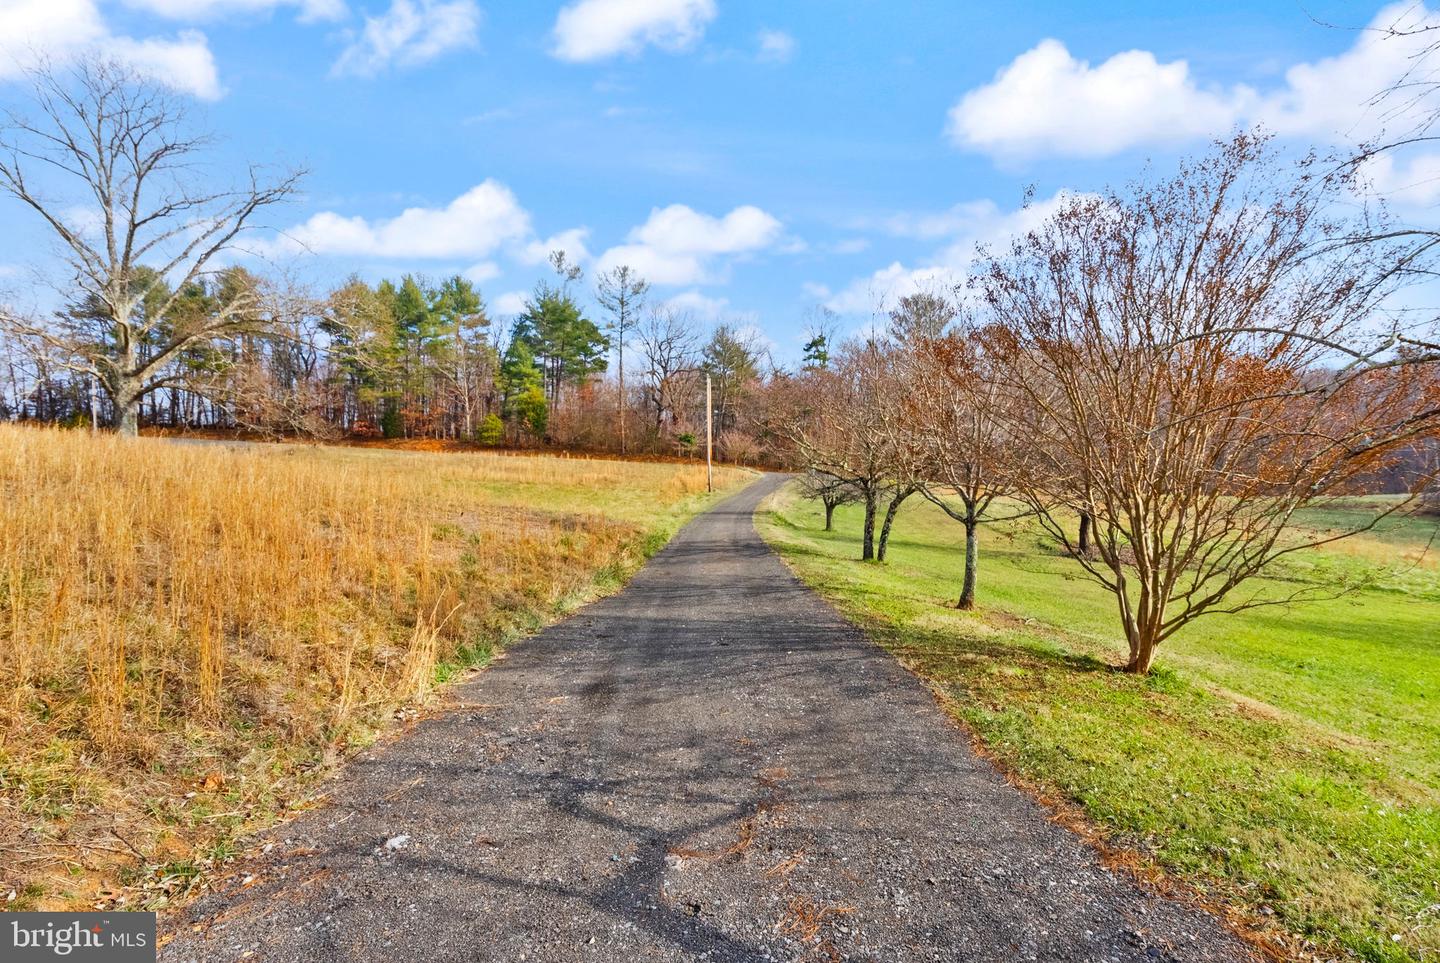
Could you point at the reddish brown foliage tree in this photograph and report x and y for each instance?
(1171, 355)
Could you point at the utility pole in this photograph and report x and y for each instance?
(709, 438)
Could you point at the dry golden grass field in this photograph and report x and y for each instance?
(192, 634)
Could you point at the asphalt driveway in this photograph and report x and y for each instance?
(710, 765)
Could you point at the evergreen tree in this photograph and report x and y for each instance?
(532, 412)
(416, 327)
(733, 363)
(817, 352)
(821, 325)
(360, 323)
(491, 431)
(462, 352)
(522, 386)
(567, 346)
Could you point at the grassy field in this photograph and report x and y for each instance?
(192, 634)
(1285, 761)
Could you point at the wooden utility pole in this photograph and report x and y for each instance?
(709, 438)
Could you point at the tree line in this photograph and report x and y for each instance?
(160, 327)
(411, 358)
(1160, 378)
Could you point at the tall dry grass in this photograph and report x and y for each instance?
(219, 622)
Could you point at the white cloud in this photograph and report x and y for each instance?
(596, 29)
(1047, 101)
(657, 267)
(411, 32)
(185, 63)
(511, 302)
(192, 10)
(572, 242)
(701, 305)
(84, 219)
(678, 245)
(680, 228)
(474, 225)
(970, 225)
(928, 225)
(482, 272)
(719, 310)
(774, 46)
(1334, 98)
(674, 246)
(30, 29)
(57, 31)
(490, 116)
(748, 329)
(484, 222)
(1411, 182)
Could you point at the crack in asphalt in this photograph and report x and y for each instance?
(710, 765)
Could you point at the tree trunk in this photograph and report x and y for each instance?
(890, 511)
(127, 399)
(621, 412)
(1142, 655)
(972, 556)
(1084, 543)
(829, 515)
(1143, 623)
(867, 550)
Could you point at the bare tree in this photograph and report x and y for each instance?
(956, 412)
(122, 145)
(839, 421)
(670, 344)
(277, 385)
(622, 291)
(1163, 349)
(830, 491)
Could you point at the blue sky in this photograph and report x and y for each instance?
(754, 159)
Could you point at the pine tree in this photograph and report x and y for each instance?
(567, 346)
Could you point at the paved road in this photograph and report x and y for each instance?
(711, 765)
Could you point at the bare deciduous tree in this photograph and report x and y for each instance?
(279, 391)
(839, 421)
(830, 491)
(956, 410)
(1163, 349)
(670, 343)
(117, 147)
(622, 291)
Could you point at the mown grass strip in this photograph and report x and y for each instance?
(1283, 761)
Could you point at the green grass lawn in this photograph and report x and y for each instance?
(1284, 760)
